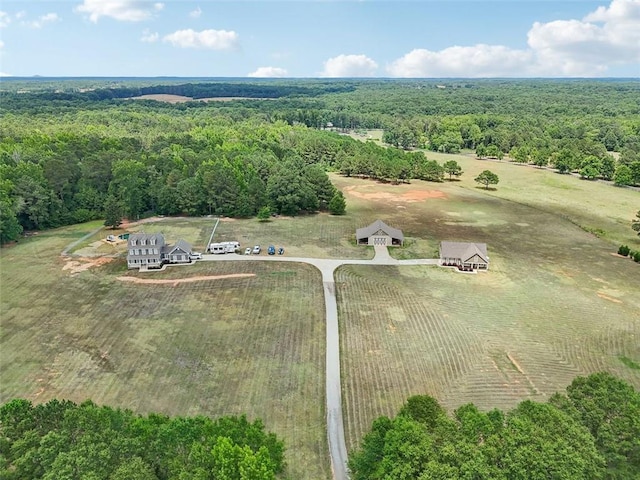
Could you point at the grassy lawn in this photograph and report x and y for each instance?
(555, 304)
(250, 345)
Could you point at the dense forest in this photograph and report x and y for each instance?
(592, 432)
(61, 440)
(70, 148)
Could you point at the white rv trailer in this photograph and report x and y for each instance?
(224, 247)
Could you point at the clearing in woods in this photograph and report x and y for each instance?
(555, 304)
(243, 338)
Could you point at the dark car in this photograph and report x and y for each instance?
(271, 250)
(280, 251)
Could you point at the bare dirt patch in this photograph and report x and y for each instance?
(127, 224)
(412, 196)
(175, 282)
(80, 264)
(607, 297)
(168, 98)
(162, 97)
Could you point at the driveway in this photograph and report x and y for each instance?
(327, 266)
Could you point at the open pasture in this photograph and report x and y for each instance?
(253, 344)
(556, 302)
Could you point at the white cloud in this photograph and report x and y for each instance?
(349, 66)
(605, 37)
(195, 13)
(123, 10)
(209, 39)
(3, 74)
(42, 20)
(1, 44)
(5, 19)
(149, 37)
(20, 14)
(476, 61)
(268, 72)
(588, 47)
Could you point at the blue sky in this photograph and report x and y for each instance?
(305, 38)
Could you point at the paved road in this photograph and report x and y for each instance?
(335, 424)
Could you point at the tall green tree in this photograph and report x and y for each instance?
(338, 204)
(486, 178)
(610, 409)
(113, 212)
(623, 176)
(452, 168)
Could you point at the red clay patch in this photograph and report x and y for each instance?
(412, 196)
(177, 281)
(80, 264)
(607, 297)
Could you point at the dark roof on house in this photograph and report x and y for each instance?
(366, 232)
(182, 245)
(159, 238)
(463, 250)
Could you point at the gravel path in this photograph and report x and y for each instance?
(335, 424)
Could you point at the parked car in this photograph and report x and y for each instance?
(257, 250)
(195, 256)
(280, 251)
(271, 250)
(247, 251)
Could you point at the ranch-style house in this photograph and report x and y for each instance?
(379, 233)
(465, 256)
(151, 251)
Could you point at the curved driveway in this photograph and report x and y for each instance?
(335, 425)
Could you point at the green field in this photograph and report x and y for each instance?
(250, 345)
(556, 303)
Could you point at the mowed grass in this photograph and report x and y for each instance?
(556, 303)
(250, 345)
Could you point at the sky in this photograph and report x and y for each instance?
(320, 38)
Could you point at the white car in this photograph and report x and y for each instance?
(256, 250)
(247, 251)
(195, 256)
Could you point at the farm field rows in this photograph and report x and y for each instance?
(251, 345)
(555, 304)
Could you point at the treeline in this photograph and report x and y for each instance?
(592, 432)
(148, 162)
(25, 100)
(389, 164)
(62, 440)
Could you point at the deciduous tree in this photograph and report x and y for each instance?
(452, 168)
(487, 177)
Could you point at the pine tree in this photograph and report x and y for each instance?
(113, 212)
(337, 205)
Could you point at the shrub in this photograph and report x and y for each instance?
(624, 250)
(636, 256)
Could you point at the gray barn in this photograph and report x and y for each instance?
(379, 233)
